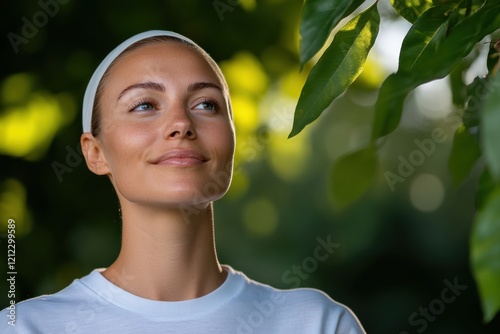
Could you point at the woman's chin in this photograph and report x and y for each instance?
(177, 199)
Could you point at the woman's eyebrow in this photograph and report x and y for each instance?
(202, 85)
(143, 85)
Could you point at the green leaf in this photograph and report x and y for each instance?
(432, 65)
(464, 154)
(485, 187)
(411, 9)
(460, 41)
(319, 17)
(426, 34)
(490, 125)
(457, 85)
(493, 62)
(476, 96)
(353, 174)
(390, 101)
(337, 68)
(485, 254)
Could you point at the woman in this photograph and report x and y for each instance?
(157, 120)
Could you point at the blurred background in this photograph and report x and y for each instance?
(396, 250)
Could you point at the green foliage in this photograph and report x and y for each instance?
(464, 154)
(434, 59)
(485, 252)
(411, 9)
(318, 20)
(485, 187)
(389, 105)
(337, 68)
(426, 34)
(438, 44)
(459, 42)
(490, 125)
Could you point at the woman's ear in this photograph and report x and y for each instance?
(94, 155)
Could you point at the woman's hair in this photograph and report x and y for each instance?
(92, 113)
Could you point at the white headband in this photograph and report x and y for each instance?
(88, 99)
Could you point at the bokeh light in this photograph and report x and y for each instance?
(260, 217)
(434, 99)
(427, 192)
(30, 118)
(13, 206)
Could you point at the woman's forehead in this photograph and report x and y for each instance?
(162, 57)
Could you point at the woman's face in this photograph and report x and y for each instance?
(167, 134)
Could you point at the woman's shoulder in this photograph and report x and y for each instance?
(303, 299)
(53, 299)
(44, 308)
(300, 296)
(297, 304)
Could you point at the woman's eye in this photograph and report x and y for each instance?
(143, 106)
(206, 105)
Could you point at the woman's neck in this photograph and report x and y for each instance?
(166, 257)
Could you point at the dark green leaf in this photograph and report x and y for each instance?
(457, 84)
(411, 9)
(427, 33)
(459, 42)
(353, 174)
(319, 17)
(485, 254)
(464, 154)
(337, 68)
(477, 93)
(432, 65)
(389, 105)
(493, 62)
(490, 125)
(485, 186)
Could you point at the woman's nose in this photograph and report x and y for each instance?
(179, 124)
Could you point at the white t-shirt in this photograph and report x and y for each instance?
(240, 305)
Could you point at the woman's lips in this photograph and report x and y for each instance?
(180, 158)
